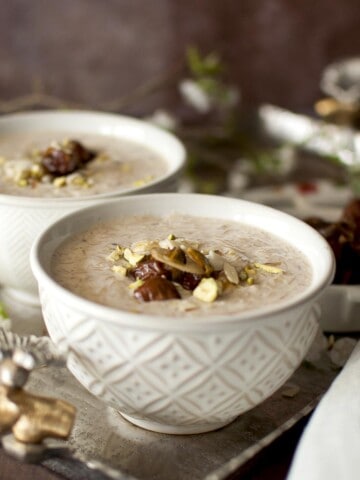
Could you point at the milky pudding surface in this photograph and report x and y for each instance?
(115, 164)
(247, 268)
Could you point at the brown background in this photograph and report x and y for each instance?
(93, 52)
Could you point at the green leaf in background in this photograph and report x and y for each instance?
(209, 65)
(3, 314)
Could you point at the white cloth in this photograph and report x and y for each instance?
(329, 448)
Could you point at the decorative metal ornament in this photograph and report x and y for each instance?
(28, 420)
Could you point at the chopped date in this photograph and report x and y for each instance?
(156, 288)
(149, 269)
(189, 281)
(343, 237)
(64, 160)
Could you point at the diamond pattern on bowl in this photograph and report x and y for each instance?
(182, 378)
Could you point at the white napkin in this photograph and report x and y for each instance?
(329, 448)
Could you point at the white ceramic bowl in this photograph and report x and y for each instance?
(22, 218)
(175, 375)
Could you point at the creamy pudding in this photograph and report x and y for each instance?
(215, 267)
(112, 164)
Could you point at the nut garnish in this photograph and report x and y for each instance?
(162, 255)
(133, 258)
(268, 268)
(207, 290)
(165, 269)
(116, 254)
(216, 260)
(231, 273)
(120, 270)
(199, 259)
(57, 164)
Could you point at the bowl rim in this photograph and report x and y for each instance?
(169, 323)
(175, 166)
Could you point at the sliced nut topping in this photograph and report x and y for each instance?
(120, 270)
(55, 164)
(162, 255)
(231, 273)
(207, 290)
(143, 247)
(116, 254)
(216, 260)
(200, 259)
(133, 258)
(266, 267)
(162, 273)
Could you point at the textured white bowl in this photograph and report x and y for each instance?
(22, 218)
(174, 375)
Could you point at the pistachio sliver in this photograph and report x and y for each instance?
(200, 259)
(162, 255)
(268, 268)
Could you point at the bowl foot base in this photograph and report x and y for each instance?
(24, 310)
(176, 429)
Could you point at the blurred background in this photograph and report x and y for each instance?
(94, 53)
(200, 68)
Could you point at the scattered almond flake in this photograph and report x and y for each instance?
(120, 270)
(143, 246)
(183, 244)
(215, 260)
(341, 350)
(171, 236)
(135, 285)
(116, 254)
(207, 290)
(266, 267)
(290, 390)
(231, 273)
(59, 182)
(167, 243)
(133, 258)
